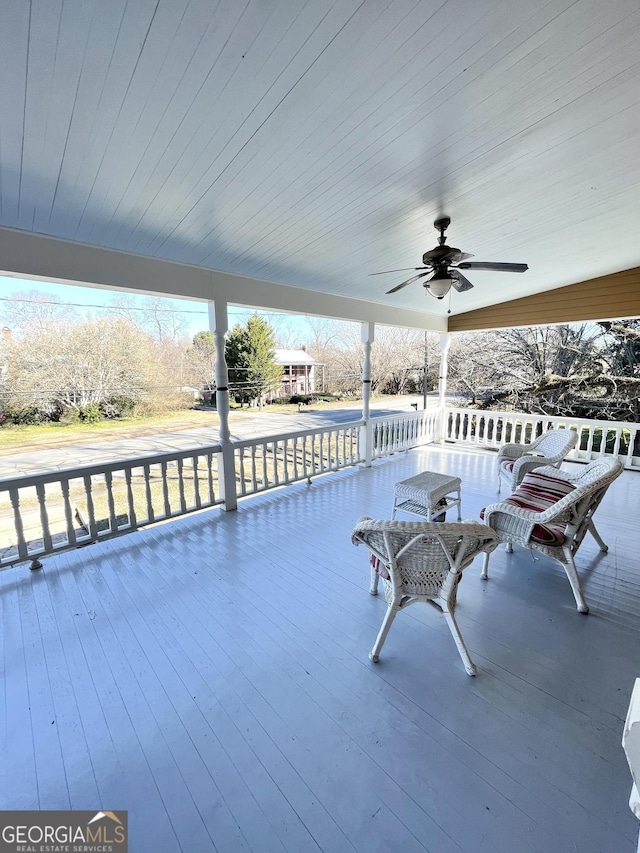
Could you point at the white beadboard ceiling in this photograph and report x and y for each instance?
(311, 143)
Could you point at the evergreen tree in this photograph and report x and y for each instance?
(250, 356)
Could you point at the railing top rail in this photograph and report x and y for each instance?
(302, 433)
(541, 417)
(414, 415)
(75, 472)
(330, 427)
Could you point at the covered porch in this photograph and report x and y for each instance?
(210, 675)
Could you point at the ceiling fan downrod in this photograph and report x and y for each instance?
(441, 225)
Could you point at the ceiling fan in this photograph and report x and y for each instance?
(442, 267)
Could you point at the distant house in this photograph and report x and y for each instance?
(298, 372)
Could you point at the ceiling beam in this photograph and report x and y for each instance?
(36, 257)
(609, 297)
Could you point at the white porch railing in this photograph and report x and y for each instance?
(401, 432)
(277, 460)
(493, 429)
(46, 513)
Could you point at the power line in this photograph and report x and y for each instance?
(234, 313)
(108, 307)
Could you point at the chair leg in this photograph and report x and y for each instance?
(485, 567)
(574, 580)
(389, 616)
(597, 537)
(469, 665)
(373, 586)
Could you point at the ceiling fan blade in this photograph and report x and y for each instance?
(409, 281)
(404, 269)
(480, 265)
(459, 281)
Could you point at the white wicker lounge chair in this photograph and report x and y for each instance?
(551, 512)
(421, 561)
(550, 448)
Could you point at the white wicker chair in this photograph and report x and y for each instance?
(421, 561)
(564, 523)
(550, 448)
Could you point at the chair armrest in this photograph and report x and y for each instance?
(511, 451)
(502, 508)
(527, 463)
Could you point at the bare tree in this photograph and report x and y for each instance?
(286, 330)
(476, 365)
(201, 360)
(621, 377)
(398, 360)
(74, 365)
(397, 357)
(586, 370)
(32, 309)
(161, 318)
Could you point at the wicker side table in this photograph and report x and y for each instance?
(427, 495)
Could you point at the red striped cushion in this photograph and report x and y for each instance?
(379, 566)
(548, 534)
(538, 492)
(508, 465)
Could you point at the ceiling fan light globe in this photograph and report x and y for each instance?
(439, 286)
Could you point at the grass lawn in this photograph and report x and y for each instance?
(17, 439)
(22, 439)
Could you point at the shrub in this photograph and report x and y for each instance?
(24, 415)
(117, 407)
(90, 414)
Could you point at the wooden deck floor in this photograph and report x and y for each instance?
(211, 676)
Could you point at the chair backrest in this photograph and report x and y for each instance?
(599, 471)
(419, 555)
(554, 444)
(577, 508)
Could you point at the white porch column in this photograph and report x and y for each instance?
(445, 343)
(366, 435)
(219, 325)
(631, 745)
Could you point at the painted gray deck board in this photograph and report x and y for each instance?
(120, 750)
(211, 676)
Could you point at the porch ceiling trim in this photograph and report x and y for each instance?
(37, 257)
(608, 297)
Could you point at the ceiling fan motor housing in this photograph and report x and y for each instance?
(441, 255)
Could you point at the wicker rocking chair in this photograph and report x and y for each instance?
(551, 512)
(550, 448)
(421, 561)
